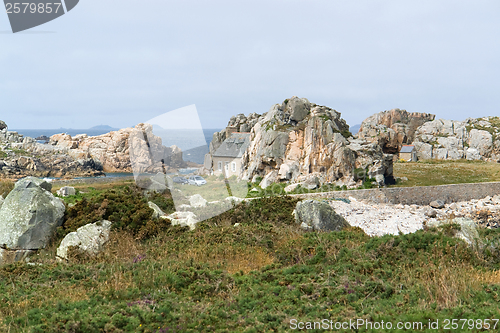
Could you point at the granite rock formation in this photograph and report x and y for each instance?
(392, 129)
(81, 155)
(297, 141)
(471, 139)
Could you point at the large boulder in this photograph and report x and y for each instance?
(318, 216)
(30, 215)
(472, 154)
(88, 239)
(438, 204)
(311, 183)
(297, 108)
(2, 125)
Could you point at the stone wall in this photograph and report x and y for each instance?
(421, 195)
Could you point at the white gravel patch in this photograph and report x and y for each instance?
(382, 219)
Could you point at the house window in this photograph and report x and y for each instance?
(227, 166)
(233, 166)
(220, 166)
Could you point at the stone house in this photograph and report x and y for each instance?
(227, 158)
(408, 153)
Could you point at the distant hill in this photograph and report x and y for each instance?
(354, 129)
(104, 128)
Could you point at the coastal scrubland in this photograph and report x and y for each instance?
(254, 277)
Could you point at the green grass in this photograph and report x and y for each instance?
(252, 278)
(434, 172)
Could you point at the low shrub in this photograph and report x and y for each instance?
(126, 207)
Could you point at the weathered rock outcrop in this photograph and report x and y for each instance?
(81, 155)
(472, 139)
(392, 129)
(24, 156)
(2, 125)
(313, 215)
(113, 150)
(88, 239)
(298, 140)
(29, 217)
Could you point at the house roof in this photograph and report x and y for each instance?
(234, 146)
(407, 149)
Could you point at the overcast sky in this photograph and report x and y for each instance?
(123, 62)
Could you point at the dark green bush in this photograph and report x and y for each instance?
(126, 207)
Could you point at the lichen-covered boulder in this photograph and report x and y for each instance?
(318, 216)
(89, 239)
(29, 215)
